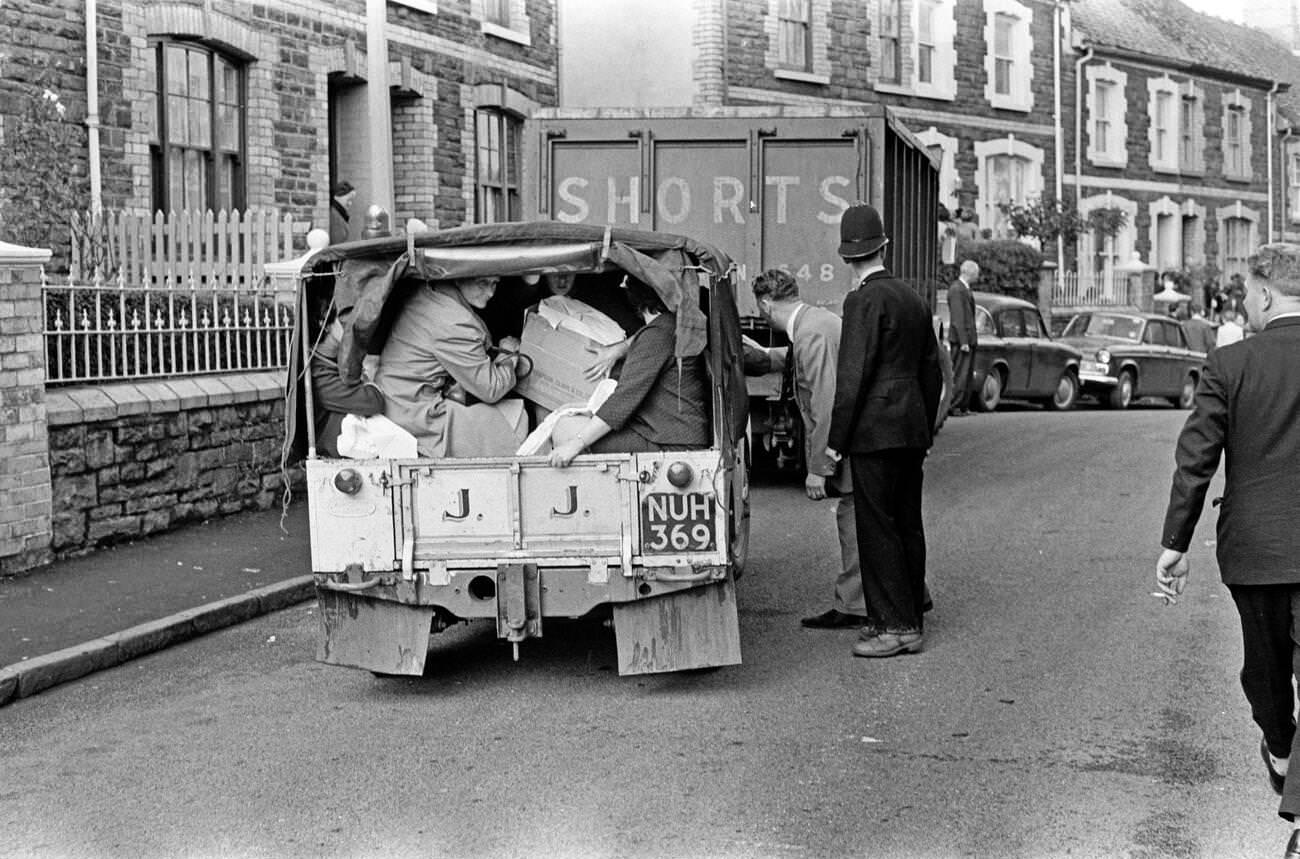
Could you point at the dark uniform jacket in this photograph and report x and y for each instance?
(336, 397)
(888, 379)
(1248, 408)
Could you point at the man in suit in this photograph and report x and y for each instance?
(962, 339)
(886, 400)
(1247, 408)
(814, 335)
(1200, 331)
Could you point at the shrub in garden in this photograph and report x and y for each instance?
(1007, 266)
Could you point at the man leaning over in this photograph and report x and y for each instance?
(1247, 409)
(814, 335)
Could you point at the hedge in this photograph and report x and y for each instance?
(1007, 266)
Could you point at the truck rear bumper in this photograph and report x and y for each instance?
(385, 628)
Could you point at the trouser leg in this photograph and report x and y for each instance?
(962, 363)
(848, 584)
(891, 541)
(1269, 661)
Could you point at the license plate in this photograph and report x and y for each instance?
(678, 522)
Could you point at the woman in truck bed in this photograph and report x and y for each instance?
(659, 403)
(437, 343)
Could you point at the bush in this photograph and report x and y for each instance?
(1007, 266)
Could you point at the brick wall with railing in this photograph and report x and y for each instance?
(84, 466)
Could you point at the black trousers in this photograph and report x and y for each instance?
(891, 536)
(963, 364)
(1270, 635)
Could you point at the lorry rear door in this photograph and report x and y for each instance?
(767, 191)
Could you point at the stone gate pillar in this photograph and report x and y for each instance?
(25, 496)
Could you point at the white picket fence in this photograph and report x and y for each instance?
(163, 296)
(206, 248)
(1100, 289)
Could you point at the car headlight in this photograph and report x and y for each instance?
(1103, 356)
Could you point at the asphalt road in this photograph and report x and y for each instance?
(1057, 709)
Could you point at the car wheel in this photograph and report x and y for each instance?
(1121, 396)
(990, 392)
(1067, 391)
(945, 396)
(1186, 395)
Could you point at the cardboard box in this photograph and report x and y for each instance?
(560, 358)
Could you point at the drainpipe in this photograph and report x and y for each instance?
(1271, 93)
(1078, 124)
(1287, 137)
(1058, 128)
(379, 109)
(92, 108)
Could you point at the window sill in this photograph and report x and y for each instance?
(1240, 178)
(507, 34)
(430, 6)
(893, 88)
(1002, 103)
(1103, 161)
(801, 77)
(936, 93)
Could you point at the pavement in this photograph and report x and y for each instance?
(80, 615)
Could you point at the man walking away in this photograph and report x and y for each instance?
(1247, 408)
(814, 335)
(886, 399)
(962, 338)
(1200, 331)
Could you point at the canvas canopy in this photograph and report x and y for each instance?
(375, 276)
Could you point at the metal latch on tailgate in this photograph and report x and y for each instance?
(519, 603)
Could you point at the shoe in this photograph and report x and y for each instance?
(1293, 846)
(1275, 779)
(833, 619)
(889, 644)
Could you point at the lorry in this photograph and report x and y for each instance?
(766, 185)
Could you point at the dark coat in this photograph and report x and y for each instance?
(335, 397)
(961, 315)
(888, 380)
(1248, 408)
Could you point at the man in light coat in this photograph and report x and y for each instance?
(1247, 410)
(814, 335)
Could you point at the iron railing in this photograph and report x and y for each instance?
(115, 331)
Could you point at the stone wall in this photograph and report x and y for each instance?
(129, 460)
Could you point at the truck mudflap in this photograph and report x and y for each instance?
(378, 635)
(695, 628)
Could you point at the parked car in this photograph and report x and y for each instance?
(1017, 357)
(1128, 355)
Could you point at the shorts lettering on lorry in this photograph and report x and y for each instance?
(676, 199)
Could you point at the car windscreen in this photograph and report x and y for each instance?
(1114, 325)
